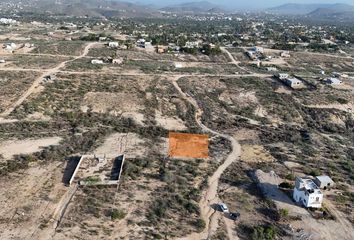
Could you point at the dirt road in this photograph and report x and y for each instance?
(210, 196)
(40, 79)
(233, 60)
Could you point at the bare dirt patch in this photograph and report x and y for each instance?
(255, 153)
(115, 103)
(130, 144)
(14, 147)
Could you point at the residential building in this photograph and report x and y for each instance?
(113, 44)
(307, 193)
(334, 81)
(293, 82)
(258, 49)
(282, 76)
(96, 61)
(324, 182)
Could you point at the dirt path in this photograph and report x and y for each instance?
(233, 60)
(210, 196)
(39, 80)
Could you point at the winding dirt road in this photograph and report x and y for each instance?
(34, 87)
(210, 196)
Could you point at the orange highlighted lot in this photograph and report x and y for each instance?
(188, 145)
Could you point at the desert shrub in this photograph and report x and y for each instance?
(283, 213)
(286, 185)
(263, 233)
(199, 224)
(117, 214)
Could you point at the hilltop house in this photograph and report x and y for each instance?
(307, 193)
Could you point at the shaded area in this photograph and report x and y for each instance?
(71, 165)
(117, 168)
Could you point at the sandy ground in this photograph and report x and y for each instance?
(28, 201)
(130, 144)
(115, 103)
(14, 147)
(255, 153)
(169, 123)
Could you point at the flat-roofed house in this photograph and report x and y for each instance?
(307, 193)
(294, 82)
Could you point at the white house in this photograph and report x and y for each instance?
(334, 81)
(307, 193)
(96, 61)
(258, 49)
(282, 76)
(7, 21)
(293, 82)
(113, 44)
(10, 47)
(190, 44)
(2, 61)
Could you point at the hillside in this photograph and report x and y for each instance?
(296, 8)
(336, 12)
(79, 8)
(195, 7)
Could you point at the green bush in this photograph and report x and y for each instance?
(199, 224)
(283, 213)
(263, 233)
(117, 214)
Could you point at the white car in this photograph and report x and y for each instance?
(223, 207)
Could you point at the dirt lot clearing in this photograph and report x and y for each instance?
(15, 147)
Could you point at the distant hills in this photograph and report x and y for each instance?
(336, 11)
(80, 8)
(194, 7)
(317, 11)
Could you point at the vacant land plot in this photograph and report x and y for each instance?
(15, 147)
(34, 62)
(69, 48)
(12, 85)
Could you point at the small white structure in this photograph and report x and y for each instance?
(142, 43)
(334, 81)
(96, 61)
(7, 21)
(293, 82)
(2, 61)
(285, 54)
(307, 193)
(272, 69)
(10, 47)
(113, 44)
(178, 65)
(117, 61)
(189, 44)
(324, 182)
(322, 72)
(282, 76)
(258, 49)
